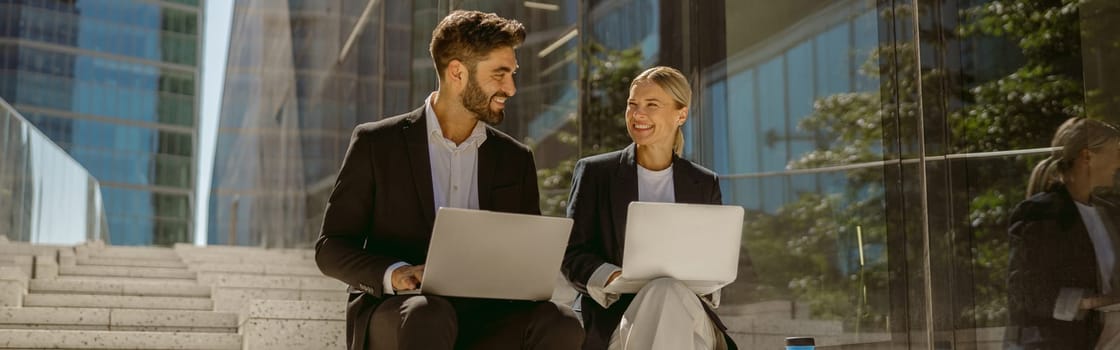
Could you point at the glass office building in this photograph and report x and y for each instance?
(879, 147)
(114, 84)
(299, 78)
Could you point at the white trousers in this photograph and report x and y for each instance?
(665, 314)
(1110, 335)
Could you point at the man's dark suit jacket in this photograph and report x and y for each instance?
(602, 188)
(1050, 250)
(381, 210)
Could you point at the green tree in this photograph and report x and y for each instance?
(1016, 109)
(602, 125)
(801, 263)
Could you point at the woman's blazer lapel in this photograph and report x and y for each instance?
(687, 186)
(624, 189)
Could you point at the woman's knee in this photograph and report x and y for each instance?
(665, 284)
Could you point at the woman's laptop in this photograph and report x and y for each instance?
(694, 243)
(485, 254)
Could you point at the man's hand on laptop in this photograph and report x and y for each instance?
(408, 277)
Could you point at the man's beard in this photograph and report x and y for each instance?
(477, 102)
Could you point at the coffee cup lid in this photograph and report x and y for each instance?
(799, 341)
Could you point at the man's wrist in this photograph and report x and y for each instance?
(387, 281)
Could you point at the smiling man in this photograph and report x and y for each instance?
(399, 170)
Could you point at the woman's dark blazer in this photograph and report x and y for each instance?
(1050, 250)
(602, 188)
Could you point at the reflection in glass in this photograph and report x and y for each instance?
(294, 92)
(1020, 75)
(805, 160)
(113, 84)
(45, 195)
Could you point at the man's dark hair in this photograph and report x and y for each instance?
(468, 36)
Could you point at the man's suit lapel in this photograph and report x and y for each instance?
(624, 189)
(416, 136)
(487, 163)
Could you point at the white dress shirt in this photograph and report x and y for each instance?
(454, 171)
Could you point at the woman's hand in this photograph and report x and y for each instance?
(1096, 301)
(613, 276)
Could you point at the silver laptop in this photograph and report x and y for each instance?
(693, 243)
(485, 254)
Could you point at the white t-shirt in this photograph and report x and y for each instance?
(656, 186)
(1102, 243)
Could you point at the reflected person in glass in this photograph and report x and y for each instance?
(1063, 255)
(398, 170)
(664, 314)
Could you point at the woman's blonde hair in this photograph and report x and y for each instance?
(672, 81)
(1073, 136)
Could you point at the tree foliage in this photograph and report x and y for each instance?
(602, 125)
(1017, 109)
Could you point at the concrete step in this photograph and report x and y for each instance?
(117, 319)
(266, 324)
(235, 298)
(23, 263)
(771, 326)
(294, 310)
(271, 259)
(168, 281)
(117, 271)
(131, 262)
(148, 253)
(258, 269)
(185, 249)
(69, 339)
(24, 248)
(109, 287)
(117, 302)
(266, 282)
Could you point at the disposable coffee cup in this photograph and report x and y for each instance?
(800, 343)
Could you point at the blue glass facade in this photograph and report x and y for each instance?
(770, 93)
(292, 98)
(114, 84)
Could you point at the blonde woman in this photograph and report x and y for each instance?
(664, 314)
(1063, 250)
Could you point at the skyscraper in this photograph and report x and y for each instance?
(300, 75)
(114, 84)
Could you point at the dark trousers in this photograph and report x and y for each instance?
(432, 322)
